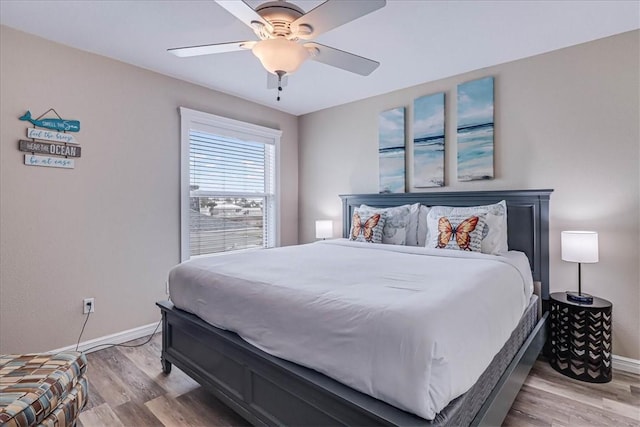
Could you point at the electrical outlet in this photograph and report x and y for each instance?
(89, 305)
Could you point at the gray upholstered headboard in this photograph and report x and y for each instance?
(527, 218)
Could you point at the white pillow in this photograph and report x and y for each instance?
(395, 224)
(412, 227)
(494, 240)
(422, 225)
(367, 226)
(456, 231)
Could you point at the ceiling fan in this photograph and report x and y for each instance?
(285, 34)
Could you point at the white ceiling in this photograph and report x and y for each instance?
(415, 41)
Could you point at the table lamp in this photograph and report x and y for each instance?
(324, 229)
(580, 247)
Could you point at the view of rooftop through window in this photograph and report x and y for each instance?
(223, 224)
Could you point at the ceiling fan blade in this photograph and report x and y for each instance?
(272, 81)
(244, 13)
(208, 49)
(333, 13)
(341, 59)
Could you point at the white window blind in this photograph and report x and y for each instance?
(232, 197)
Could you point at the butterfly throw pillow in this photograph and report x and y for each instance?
(455, 231)
(367, 227)
(396, 223)
(494, 234)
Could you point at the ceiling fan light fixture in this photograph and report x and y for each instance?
(280, 54)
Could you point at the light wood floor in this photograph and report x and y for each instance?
(128, 388)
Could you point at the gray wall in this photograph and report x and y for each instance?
(109, 228)
(566, 120)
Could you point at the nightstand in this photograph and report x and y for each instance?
(580, 338)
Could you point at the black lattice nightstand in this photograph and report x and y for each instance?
(580, 338)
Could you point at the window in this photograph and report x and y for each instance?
(229, 198)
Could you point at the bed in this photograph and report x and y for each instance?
(267, 390)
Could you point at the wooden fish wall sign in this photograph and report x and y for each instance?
(55, 124)
(57, 149)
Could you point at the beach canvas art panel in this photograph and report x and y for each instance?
(391, 151)
(475, 130)
(428, 141)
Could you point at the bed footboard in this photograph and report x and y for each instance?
(266, 390)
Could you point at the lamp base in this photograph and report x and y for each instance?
(581, 298)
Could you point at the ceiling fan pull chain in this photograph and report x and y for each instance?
(280, 74)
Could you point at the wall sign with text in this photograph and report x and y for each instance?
(60, 148)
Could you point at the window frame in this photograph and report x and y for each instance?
(218, 125)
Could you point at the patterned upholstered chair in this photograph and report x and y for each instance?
(42, 389)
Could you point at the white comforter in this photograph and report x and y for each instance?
(414, 327)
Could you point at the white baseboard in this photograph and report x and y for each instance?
(625, 364)
(117, 338)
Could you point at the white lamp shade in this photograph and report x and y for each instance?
(280, 54)
(579, 246)
(324, 229)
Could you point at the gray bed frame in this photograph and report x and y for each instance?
(266, 390)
